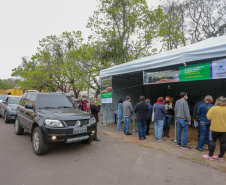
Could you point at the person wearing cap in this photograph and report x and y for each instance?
(141, 110)
(159, 116)
(204, 124)
(150, 109)
(127, 109)
(183, 118)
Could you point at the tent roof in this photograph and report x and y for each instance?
(210, 48)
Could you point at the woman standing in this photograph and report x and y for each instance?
(204, 125)
(159, 116)
(119, 114)
(217, 116)
(168, 116)
(94, 111)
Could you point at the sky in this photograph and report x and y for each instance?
(24, 22)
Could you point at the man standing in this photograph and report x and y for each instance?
(141, 110)
(94, 111)
(150, 109)
(127, 112)
(183, 118)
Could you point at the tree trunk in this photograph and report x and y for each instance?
(97, 92)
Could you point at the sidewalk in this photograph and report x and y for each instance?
(167, 145)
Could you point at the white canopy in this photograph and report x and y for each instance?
(209, 48)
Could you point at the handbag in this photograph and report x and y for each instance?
(153, 114)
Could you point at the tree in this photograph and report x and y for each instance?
(6, 84)
(207, 18)
(53, 66)
(173, 28)
(29, 75)
(121, 25)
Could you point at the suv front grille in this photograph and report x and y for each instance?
(72, 123)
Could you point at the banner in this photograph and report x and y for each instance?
(106, 90)
(161, 77)
(195, 72)
(218, 69)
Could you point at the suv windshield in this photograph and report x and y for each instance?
(53, 101)
(14, 100)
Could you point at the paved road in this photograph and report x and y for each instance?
(109, 161)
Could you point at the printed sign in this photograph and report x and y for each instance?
(106, 95)
(218, 69)
(106, 100)
(106, 90)
(161, 77)
(195, 72)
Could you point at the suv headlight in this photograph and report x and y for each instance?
(92, 120)
(53, 123)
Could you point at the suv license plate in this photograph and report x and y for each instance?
(79, 130)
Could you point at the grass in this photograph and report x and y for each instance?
(145, 146)
(199, 159)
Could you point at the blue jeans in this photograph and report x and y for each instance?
(182, 125)
(126, 124)
(119, 123)
(167, 121)
(204, 130)
(158, 128)
(141, 129)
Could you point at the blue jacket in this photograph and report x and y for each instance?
(160, 111)
(150, 109)
(202, 111)
(120, 113)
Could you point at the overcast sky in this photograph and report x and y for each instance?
(24, 22)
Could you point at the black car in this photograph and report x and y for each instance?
(52, 118)
(8, 108)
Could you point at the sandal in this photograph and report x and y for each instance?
(208, 157)
(218, 158)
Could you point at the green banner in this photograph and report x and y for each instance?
(195, 72)
(106, 95)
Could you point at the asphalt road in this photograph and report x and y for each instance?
(110, 161)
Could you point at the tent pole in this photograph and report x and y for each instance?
(133, 123)
(175, 127)
(105, 124)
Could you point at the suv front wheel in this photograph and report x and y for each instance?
(39, 145)
(17, 128)
(6, 117)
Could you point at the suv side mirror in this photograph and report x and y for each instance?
(28, 106)
(4, 101)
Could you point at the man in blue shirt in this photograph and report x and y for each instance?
(204, 124)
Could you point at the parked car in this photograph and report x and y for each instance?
(2, 97)
(8, 108)
(52, 118)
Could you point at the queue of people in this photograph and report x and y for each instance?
(211, 120)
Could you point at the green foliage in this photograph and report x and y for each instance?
(5, 84)
(121, 24)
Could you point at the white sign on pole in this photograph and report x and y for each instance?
(106, 100)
